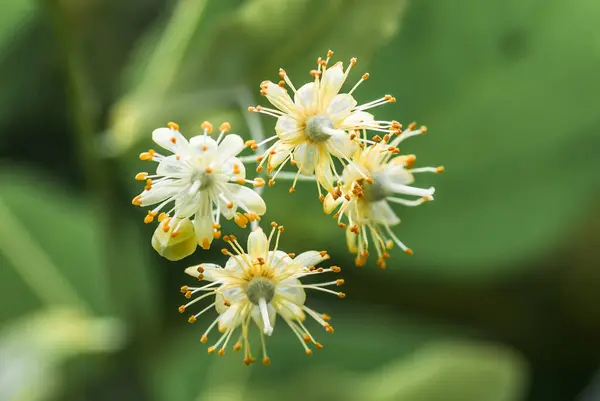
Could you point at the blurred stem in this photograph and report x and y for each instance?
(85, 116)
(34, 265)
(173, 44)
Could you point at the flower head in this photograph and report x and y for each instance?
(256, 287)
(365, 205)
(202, 179)
(319, 125)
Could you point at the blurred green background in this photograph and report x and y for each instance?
(501, 301)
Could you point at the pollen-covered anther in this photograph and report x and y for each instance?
(341, 295)
(251, 109)
(341, 225)
(149, 217)
(266, 361)
(141, 176)
(207, 126)
(259, 169)
(423, 129)
(208, 170)
(282, 73)
(389, 98)
(182, 309)
(410, 161)
(221, 352)
(149, 155)
(439, 169)
(271, 182)
(281, 84)
(376, 138)
(307, 338)
(211, 349)
(137, 201)
(241, 220)
(229, 205)
(329, 328)
(237, 346)
(315, 73)
(326, 317)
(173, 126)
(225, 127)
(188, 294)
(251, 144)
(339, 282)
(240, 180)
(336, 269)
(192, 319)
(308, 352)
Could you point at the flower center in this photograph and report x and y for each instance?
(316, 127)
(202, 180)
(376, 191)
(260, 287)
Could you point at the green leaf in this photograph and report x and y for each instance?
(508, 100)
(53, 250)
(381, 358)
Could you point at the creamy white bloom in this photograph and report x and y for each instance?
(257, 286)
(365, 206)
(319, 125)
(202, 179)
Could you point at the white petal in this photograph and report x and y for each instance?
(171, 167)
(209, 271)
(258, 245)
(305, 156)
(305, 98)
(230, 146)
(256, 316)
(280, 258)
(310, 258)
(290, 289)
(169, 139)
(351, 241)
(331, 83)
(234, 295)
(340, 144)
(358, 118)
(279, 98)
(285, 124)
(235, 263)
(398, 175)
(381, 212)
(231, 317)
(187, 206)
(228, 167)
(204, 230)
(340, 108)
(290, 311)
(248, 198)
(329, 204)
(282, 151)
(323, 170)
(201, 145)
(159, 193)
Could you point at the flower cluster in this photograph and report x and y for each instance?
(324, 133)
(256, 287)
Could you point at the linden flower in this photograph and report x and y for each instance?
(202, 179)
(257, 286)
(365, 205)
(319, 124)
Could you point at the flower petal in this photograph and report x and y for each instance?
(340, 144)
(329, 204)
(178, 247)
(230, 146)
(203, 226)
(232, 317)
(291, 290)
(256, 316)
(358, 119)
(340, 108)
(203, 145)
(323, 170)
(171, 167)
(210, 271)
(248, 199)
(306, 98)
(285, 126)
(310, 258)
(304, 154)
(382, 213)
(290, 311)
(279, 97)
(169, 139)
(159, 193)
(331, 83)
(258, 244)
(351, 241)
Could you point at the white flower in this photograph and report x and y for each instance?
(319, 124)
(365, 205)
(202, 179)
(257, 286)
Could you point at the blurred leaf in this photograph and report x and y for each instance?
(16, 14)
(505, 95)
(184, 370)
(205, 47)
(33, 348)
